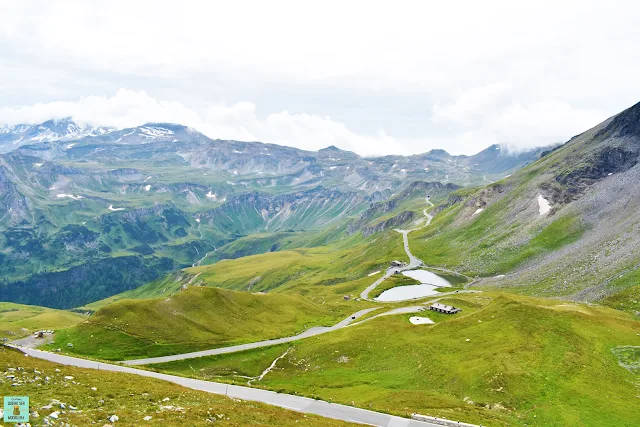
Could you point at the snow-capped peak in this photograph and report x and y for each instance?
(51, 130)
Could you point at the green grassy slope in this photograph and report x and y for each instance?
(493, 241)
(18, 320)
(347, 260)
(324, 274)
(194, 319)
(626, 300)
(132, 397)
(505, 360)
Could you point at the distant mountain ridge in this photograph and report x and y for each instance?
(52, 130)
(66, 129)
(162, 196)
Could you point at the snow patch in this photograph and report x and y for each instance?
(211, 195)
(155, 132)
(147, 187)
(68, 196)
(38, 164)
(112, 209)
(477, 211)
(543, 205)
(416, 320)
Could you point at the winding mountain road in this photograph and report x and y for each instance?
(287, 401)
(414, 262)
(233, 349)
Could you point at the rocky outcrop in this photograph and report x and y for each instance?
(14, 207)
(452, 200)
(397, 221)
(374, 210)
(570, 184)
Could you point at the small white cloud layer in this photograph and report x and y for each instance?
(128, 108)
(493, 114)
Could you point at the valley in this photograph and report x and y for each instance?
(294, 276)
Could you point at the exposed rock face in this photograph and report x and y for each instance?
(625, 124)
(607, 161)
(614, 148)
(14, 207)
(452, 200)
(375, 209)
(397, 221)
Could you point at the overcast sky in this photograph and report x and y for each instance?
(372, 77)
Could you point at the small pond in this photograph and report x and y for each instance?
(427, 278)
(429, 283)
(403, 293)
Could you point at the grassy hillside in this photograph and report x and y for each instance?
(505, 360)
(194, 319)
(18, 320)
(324, 274)
(627, 300)
(584, 248)
(97, 395)
(492, 241)
(344, 261)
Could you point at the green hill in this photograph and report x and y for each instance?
(505, 360)
(194, 319)
(18, 320)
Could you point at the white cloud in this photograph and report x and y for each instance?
(128, 108)
(474, 104)
(456, 75)
(490, 114)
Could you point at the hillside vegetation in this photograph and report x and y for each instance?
(194, 319)
(505, 360)
(17, 320)
(97, 395)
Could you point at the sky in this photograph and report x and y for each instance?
(371, 77)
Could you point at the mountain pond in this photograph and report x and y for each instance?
(429, 282)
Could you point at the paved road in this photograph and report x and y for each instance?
(308, 333)
(413, 261)
(287, 401)
(401, 310)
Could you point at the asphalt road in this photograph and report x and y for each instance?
(308, 333)
(413, 261)
(287, 401)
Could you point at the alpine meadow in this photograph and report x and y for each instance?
(313, 215)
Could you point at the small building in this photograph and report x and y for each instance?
(347, 297)
(441, 308)
(396, 263)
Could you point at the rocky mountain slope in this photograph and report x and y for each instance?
(567, 225)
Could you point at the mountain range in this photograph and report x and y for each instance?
(160, 196)
(257, 257)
